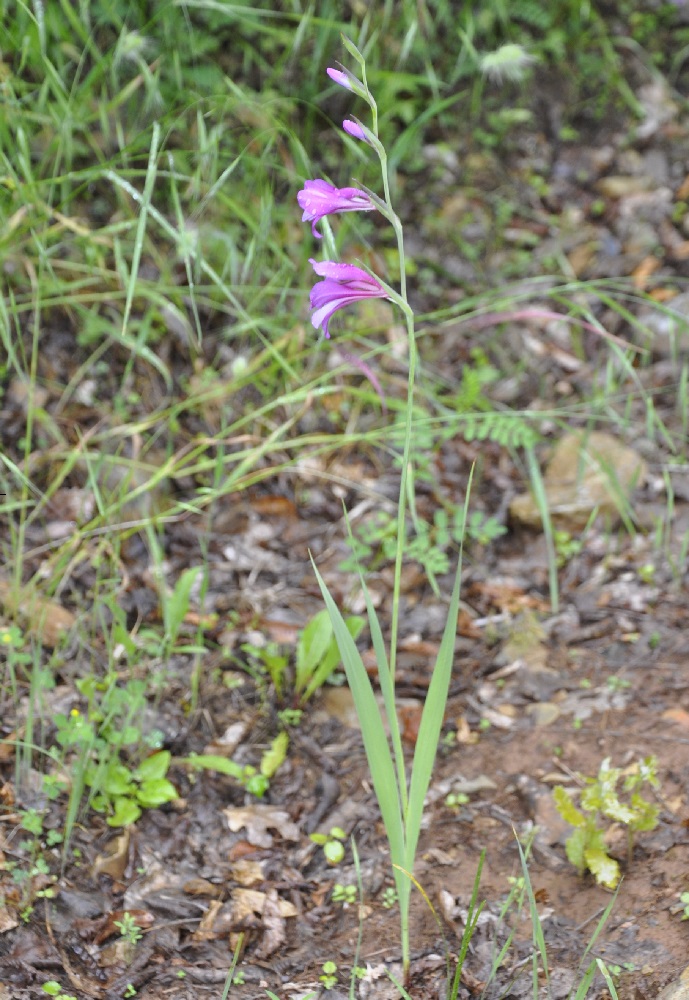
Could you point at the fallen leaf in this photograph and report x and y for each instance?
(257, 820)
(678, 715)
(209, 925)
(113, 860)
(643, 271)
(274, 933)
(246, 872)
(43, 617)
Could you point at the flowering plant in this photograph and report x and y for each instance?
(401, 800)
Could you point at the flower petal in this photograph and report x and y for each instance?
(318, 198)
(354, 129)
(342, 284)
(339, 77)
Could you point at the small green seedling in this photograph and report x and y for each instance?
(586, 847)
(128, 928)
(455, 800)
(389, 897)
(566, 547)
(332, 844)
(317, 657)
(329, 977)
(344, 894)
(318, 654)
(684, 900)
(54, 989)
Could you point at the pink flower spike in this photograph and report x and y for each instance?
(318, 198)
(342, 284)
(339, 77)
(354, 129)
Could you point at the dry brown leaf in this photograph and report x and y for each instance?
(43, 617)
(274, 506)
(201, 887)
(7, 920)
(274, 933)
(643, 271)
(209, 925)
(113, 860)
(678, 715)
(246, 902)
(246, 872)
(257, 820)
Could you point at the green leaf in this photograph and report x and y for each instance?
(605, 869)
(575, 847)
(332, 657)
(214, 762)
(353, 50)
(431, 723)
(334, 851)
(275, 757)
(566, 808)
(645, 814)
(376, 744)
(156, 792)
(256, 784)
(155, 766)
(126, 813)
(117, 779)
(312, 646)
(176, 605)
(614, 809)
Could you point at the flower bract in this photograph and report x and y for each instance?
(318, 198)
(342, 284)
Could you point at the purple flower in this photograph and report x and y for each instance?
(340, 77)
(354, 129)
(342, 284)
(318, 198)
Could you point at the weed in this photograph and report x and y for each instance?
(566, 547)
(54, 989)
(600, 800)
(455, 800)
(317, 657)
(388, 897)
(332, 843)
(30, 869)
(129, 928)
(345, 894)
(329, 975)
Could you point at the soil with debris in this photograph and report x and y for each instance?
(539, 697)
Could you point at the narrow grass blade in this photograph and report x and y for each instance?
(473, 913)
(602, 922)
(433, 711)
(537, 929)
(538, 487)
(585, 984)
(375, 741)
(607, 977)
